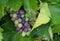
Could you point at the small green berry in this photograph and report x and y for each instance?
(19, 25)
(14, 15)
(23, 34)
(16, 22)
(22, 16)
(26, 19)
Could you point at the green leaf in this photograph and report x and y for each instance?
(9, 29)
(8, 26)
(33, 4)
(56, 28)
(51, 0)
(7, 36)
(18, 37)
(3, 2)
(56, 38)
(1, 35)
(1, 30)
(43, 17)
(55, 13)
(43, 31)
(30, 6)
(14, 4)
(51, 33)
(1, 12)
(2, 6)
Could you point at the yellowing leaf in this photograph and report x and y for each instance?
(43, 17)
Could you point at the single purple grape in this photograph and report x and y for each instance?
(19, 20)
(22, 11)
(26, 24)
(18, 15)
(26, 30)
(23, 27)
(17, 28)
(23, 21)
(20, 30)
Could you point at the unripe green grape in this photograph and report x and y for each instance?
(14, 15)
(26, 19)
(23, 34)
(16, 22)
(22, 16)
(20, 25)
(27, 33)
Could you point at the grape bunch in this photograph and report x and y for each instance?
(21, 21)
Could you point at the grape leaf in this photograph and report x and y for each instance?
(51, 0)
(51, 33)
(7, 36)
(43, 17)
(14, 4)
(56, 38)
(43, 31)
(1, 11)
(20, 38)
(33, 4)
(56, 28)
(1, 30)
(8, 25)
(9, 29)
(1, 35)
(55, 13)
(2, 6)
(30, 6)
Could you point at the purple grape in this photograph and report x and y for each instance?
(23, 21)
(20, 30)
(19, 20)
(26, 24)
(17, 28)
(22, 11)
(18, 16)
(26, 30)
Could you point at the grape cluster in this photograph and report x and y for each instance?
(21, 21)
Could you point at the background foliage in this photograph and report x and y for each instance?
(49, 30)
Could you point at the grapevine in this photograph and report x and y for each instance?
(29, 20)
